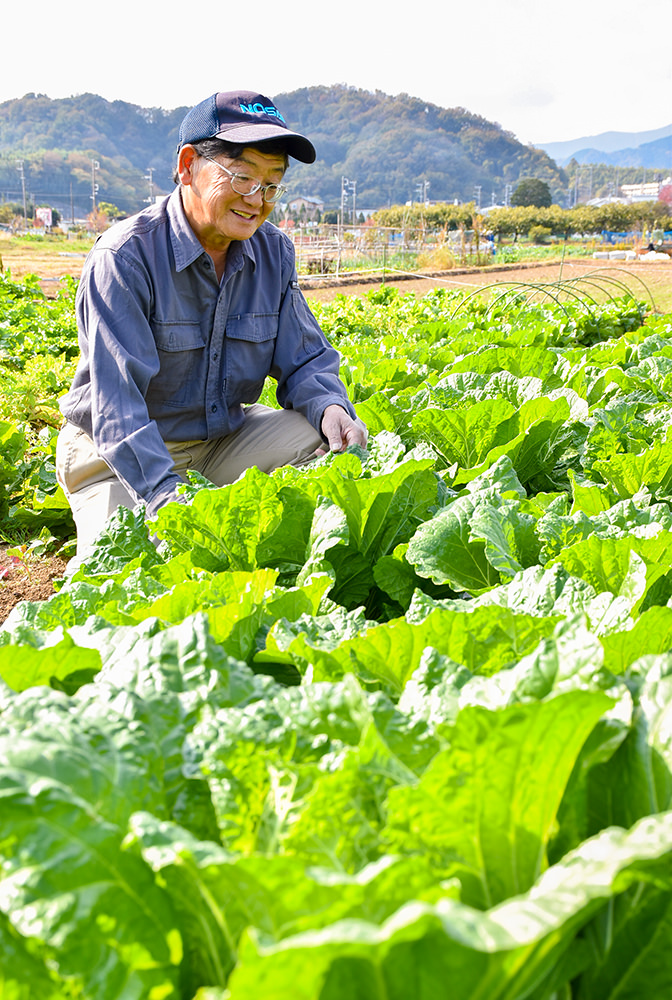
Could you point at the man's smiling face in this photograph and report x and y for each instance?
(216, 213)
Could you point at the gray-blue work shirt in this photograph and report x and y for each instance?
(168, 353)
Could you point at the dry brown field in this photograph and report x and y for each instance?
(644, 278)
(650, 281)
(50, 261)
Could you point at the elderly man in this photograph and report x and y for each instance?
(183, 310)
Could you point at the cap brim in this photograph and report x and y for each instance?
(297, 145)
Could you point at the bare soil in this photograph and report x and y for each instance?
(29, 579)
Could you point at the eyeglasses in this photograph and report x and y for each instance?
(242, 184)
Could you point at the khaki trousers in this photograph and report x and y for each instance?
(268, 439)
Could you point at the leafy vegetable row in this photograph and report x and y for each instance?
(396, 720)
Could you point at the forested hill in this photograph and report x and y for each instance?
(57, 139)
(388, 145)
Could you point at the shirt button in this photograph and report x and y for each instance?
(213, 408)
(215, 356)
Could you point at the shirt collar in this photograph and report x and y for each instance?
(186, 246)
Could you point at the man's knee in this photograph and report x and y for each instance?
(91, 488)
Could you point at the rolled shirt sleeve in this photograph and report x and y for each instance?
(305, 365)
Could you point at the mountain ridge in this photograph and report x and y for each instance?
(609, 146)
(385, 144)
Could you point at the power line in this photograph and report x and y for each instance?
(10, 192)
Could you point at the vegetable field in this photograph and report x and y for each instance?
(394, 725)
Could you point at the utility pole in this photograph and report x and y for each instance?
(148, 177)
(95, 165)
(353, 188)
(477, 192)
(423, 191)
(344, 201)
(19, 167)
(508, 191)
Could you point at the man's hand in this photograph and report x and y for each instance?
(341, 430)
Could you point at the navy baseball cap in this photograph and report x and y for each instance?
(242, 116)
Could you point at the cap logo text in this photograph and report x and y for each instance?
(259, 109)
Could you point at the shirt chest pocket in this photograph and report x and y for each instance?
(250, 344)
(181, 348)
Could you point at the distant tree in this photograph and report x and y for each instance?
(521, 219)
(97, 222)
(532, 191)
(665, 195)
(540, 234)
(559, 221)
(614, 216)
(111, 211)
(9, 210)
(660, 211)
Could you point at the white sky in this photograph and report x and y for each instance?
(545, 72)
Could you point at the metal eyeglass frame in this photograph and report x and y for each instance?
(256, 186)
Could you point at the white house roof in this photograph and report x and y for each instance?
(305, 197)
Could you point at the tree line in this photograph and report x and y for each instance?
(520, 220)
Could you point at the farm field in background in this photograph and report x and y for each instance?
(54, 258)
(391, 721)
(49, 257)
(652, 280)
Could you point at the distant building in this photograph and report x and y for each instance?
(311, 205)
(600, 202)
(641, 192)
